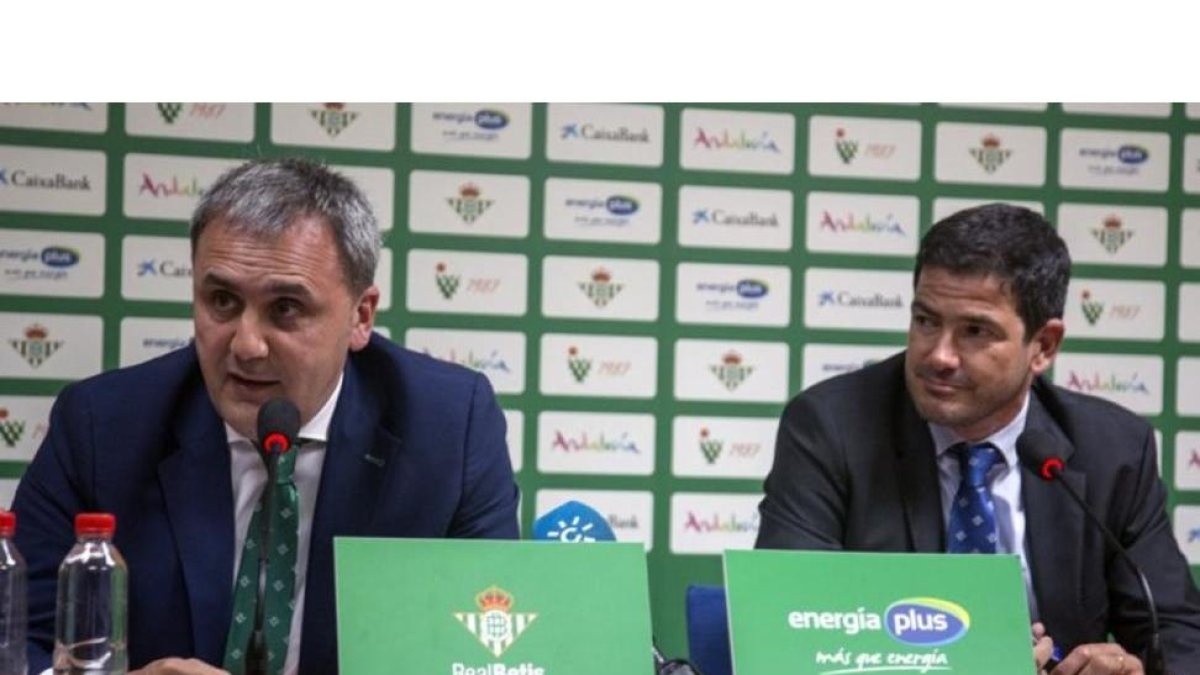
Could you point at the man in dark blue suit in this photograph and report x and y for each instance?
(393, 444)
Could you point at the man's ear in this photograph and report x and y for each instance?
(364, 318)
(1045, 345)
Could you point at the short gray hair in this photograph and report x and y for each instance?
(266, 197)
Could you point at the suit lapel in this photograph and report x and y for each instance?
(1054, 530)
(917, 466)
(356, 462)
(198, 495)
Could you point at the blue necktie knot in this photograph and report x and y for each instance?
(975, 461)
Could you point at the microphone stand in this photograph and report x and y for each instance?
(256, 654)
(1155, 661)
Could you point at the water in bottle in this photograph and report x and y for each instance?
(89, 630)
(13, 609)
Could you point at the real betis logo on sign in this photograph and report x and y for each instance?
(169, 111)
(1112, 236)
(846, 148)
(333, 118)
(467, 204)
(495, 624)
(10, 430)
(601, 289)
(579, 365)
(36, 348)
(447, 283)
(989, 154)
(1092, 309)
(710, 447)
(731, 372)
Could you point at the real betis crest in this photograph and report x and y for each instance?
(468, 204)
(495, 624)
(601, 289)
(1092, 309)
(989, 154)
(711, 447)
(333, 118)
(578, 365)
(730, 371)
(10, 430)
(846, 148)
(36, 348)
(1112, 236)
(169, 111)
(447, 283)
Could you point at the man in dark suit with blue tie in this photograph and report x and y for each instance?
(393, 444)
(918, 452)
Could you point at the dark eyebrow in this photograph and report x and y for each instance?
(918, 306)
(285, 288)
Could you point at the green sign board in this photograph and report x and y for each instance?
(828, 613)
(473, 607)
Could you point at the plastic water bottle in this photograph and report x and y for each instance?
(89, 630)
(14, 615)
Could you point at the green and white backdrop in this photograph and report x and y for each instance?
(645, 285)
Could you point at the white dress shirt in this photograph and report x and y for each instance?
(249, 475)
(1004, 479)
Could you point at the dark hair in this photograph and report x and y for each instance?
(266, 197)
(1016, 245)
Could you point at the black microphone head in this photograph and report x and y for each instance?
(1041, 453)
(278, 425)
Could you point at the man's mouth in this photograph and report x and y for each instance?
(252, 383)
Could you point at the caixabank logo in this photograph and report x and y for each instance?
(604, 134)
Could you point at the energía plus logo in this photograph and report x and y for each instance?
(926, 622)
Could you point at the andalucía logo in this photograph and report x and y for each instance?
(719, 523)
(731, 372)
(601, 442)
(333, 118)
(36, 347)
(1092, 309)
(723, 140)
(592, 132)
(989, 154)
(495, 624)
(919, 622)
(601, 289)
(468, 205)
(447, 283)
(172, 188)
(846, 147)
(886, 225)
(1112, 236)
(59, 181)
(1111, 384)
(711, 447)
(10, 430)
(579, 365)
(493, 362)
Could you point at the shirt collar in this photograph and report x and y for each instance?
(317, 428)
(1005, 439)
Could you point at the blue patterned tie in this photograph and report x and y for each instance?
(972, 526)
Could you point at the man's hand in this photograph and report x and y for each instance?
(173, 666)
(1043, 647)
(1105, 658)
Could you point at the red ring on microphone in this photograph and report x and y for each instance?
(1052, 466)
(276, 443)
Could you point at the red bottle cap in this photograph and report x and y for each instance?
(8, 523)
(95, 523)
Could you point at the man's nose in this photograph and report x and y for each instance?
(944, 353)
(249, 339)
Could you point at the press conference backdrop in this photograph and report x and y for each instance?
(645, 285)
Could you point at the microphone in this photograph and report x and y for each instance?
(577, 523)
(278, 426)
(1040, 453)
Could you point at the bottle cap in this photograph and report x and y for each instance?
(8, 523)
(95, 523)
